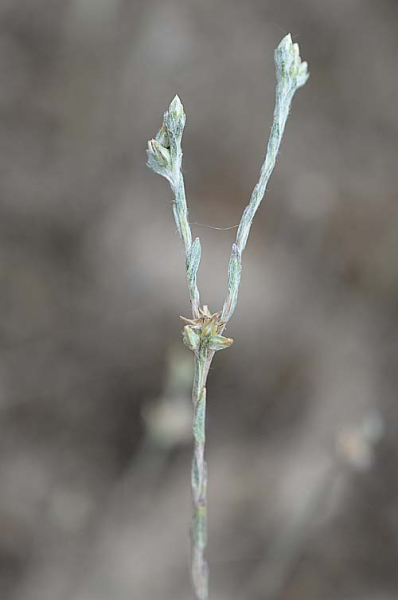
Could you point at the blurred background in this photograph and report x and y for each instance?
(302, 433)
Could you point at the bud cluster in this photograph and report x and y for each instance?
(164, 151)
(290, 69)
(204, 332)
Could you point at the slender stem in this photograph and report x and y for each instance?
(291, 74)
(199, 568)
(203, 334)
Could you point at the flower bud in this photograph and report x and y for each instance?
(162, 137)
(159, 153)
(219, 342)
(289, 68)
(176, 108)
(210, 326)
(191, 338)
(174, 121)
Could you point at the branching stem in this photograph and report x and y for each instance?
(203, 333)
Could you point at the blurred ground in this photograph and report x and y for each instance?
(94, 387)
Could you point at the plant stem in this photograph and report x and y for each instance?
(199, 568)
(203, 333)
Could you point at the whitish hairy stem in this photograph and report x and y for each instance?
(203, 333)
(291, 74)
(199, 568)
(165, 158)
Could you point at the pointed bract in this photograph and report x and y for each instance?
(219, 342)
(191, 338)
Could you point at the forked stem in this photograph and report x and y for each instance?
(203, 333)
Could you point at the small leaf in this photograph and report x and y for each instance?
(159, 159)
(193, 261)
(219, 342)
(195, 477)
(200, 527)
(162, 137)
(200, 418)
(159, 153)
(191, 338)
(234, 274)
